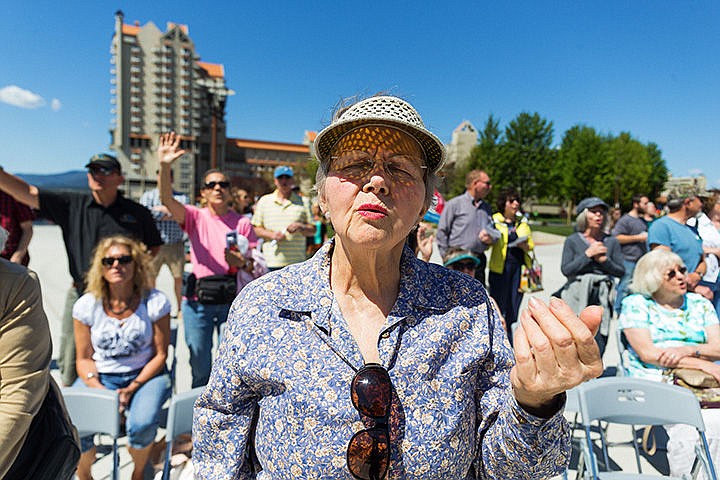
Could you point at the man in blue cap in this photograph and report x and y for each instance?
(283, 219)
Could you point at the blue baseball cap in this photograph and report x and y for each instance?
(283, 170)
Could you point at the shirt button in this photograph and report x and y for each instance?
(385, 335)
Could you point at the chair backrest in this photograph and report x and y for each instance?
(635, 401)
(572, 404)
(93, 410)
(180, 417)
(180, 414)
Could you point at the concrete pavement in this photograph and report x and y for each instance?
(48, 259)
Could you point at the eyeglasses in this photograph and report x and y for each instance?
(122, 260)
(213, 184)
(680, 271)
(104, 171)
(463, 266)
(358, 164)
(368, 453)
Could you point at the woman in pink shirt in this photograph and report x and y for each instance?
(207, 229)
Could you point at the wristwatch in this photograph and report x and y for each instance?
(91, 375)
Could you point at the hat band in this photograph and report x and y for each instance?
(384, 125)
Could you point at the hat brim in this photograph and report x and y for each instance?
(432, 146)
(460, 258)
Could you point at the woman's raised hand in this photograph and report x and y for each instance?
(169, 148)
(555, 350)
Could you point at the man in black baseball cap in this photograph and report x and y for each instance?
(85, 219)
(104, 161)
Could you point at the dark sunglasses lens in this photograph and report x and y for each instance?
(371, 391)
(210, 185)
(368, 454)
(110, 261)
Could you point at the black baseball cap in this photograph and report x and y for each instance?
(104, 160)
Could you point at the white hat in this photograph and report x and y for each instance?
(381, 111)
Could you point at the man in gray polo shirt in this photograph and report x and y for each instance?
(466, 221)
(631, 232)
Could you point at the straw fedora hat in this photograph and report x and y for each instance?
(381, 111)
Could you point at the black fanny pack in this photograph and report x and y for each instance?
(215, 289)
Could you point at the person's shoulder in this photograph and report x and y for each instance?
(85, 302)
(11, 269)
(695, 299)
(443, 288)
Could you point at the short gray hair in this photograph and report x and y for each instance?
(581, 221)
(650, 269)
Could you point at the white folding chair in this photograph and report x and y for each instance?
(95, 410)
(180, 417)
(633, 401)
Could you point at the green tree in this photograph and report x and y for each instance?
(581, 157)
(658, 172)
(526, 160)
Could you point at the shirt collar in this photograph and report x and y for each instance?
(309, 293)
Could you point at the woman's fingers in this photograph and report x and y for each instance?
(554, 349)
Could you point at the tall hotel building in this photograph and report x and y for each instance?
(159, 85)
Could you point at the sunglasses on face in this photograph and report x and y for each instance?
(368, 453)
(680, 271)
(104, 171)
(213, 184)
(122, 260)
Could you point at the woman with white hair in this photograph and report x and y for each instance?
(668, 327)
(592, 261)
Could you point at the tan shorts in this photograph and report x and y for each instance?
(172, 255)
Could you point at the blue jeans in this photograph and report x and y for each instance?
(143, 413)
(622, 286)
(200, 321)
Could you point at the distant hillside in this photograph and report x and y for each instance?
(72, 180)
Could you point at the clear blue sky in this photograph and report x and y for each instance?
(648, 67)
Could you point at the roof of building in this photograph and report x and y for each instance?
(213, 69)
(130, 29)
(266, 145)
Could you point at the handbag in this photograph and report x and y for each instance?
(705, 387)
(216, 289)
(52, 448)
(531, 277)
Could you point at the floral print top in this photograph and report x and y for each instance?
(279, 394)
(668, 328)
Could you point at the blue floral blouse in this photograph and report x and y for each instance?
(280, 373)
(668, 328)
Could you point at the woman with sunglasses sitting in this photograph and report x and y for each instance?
(366, 362)
(667, 327)
(211, 255)
(122, 331)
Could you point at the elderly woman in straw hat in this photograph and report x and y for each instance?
(365, 362)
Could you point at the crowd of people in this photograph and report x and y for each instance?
(365, 289)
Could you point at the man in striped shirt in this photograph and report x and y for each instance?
(283, 219)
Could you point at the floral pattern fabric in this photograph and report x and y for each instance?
(668, 328)
(287, 359)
